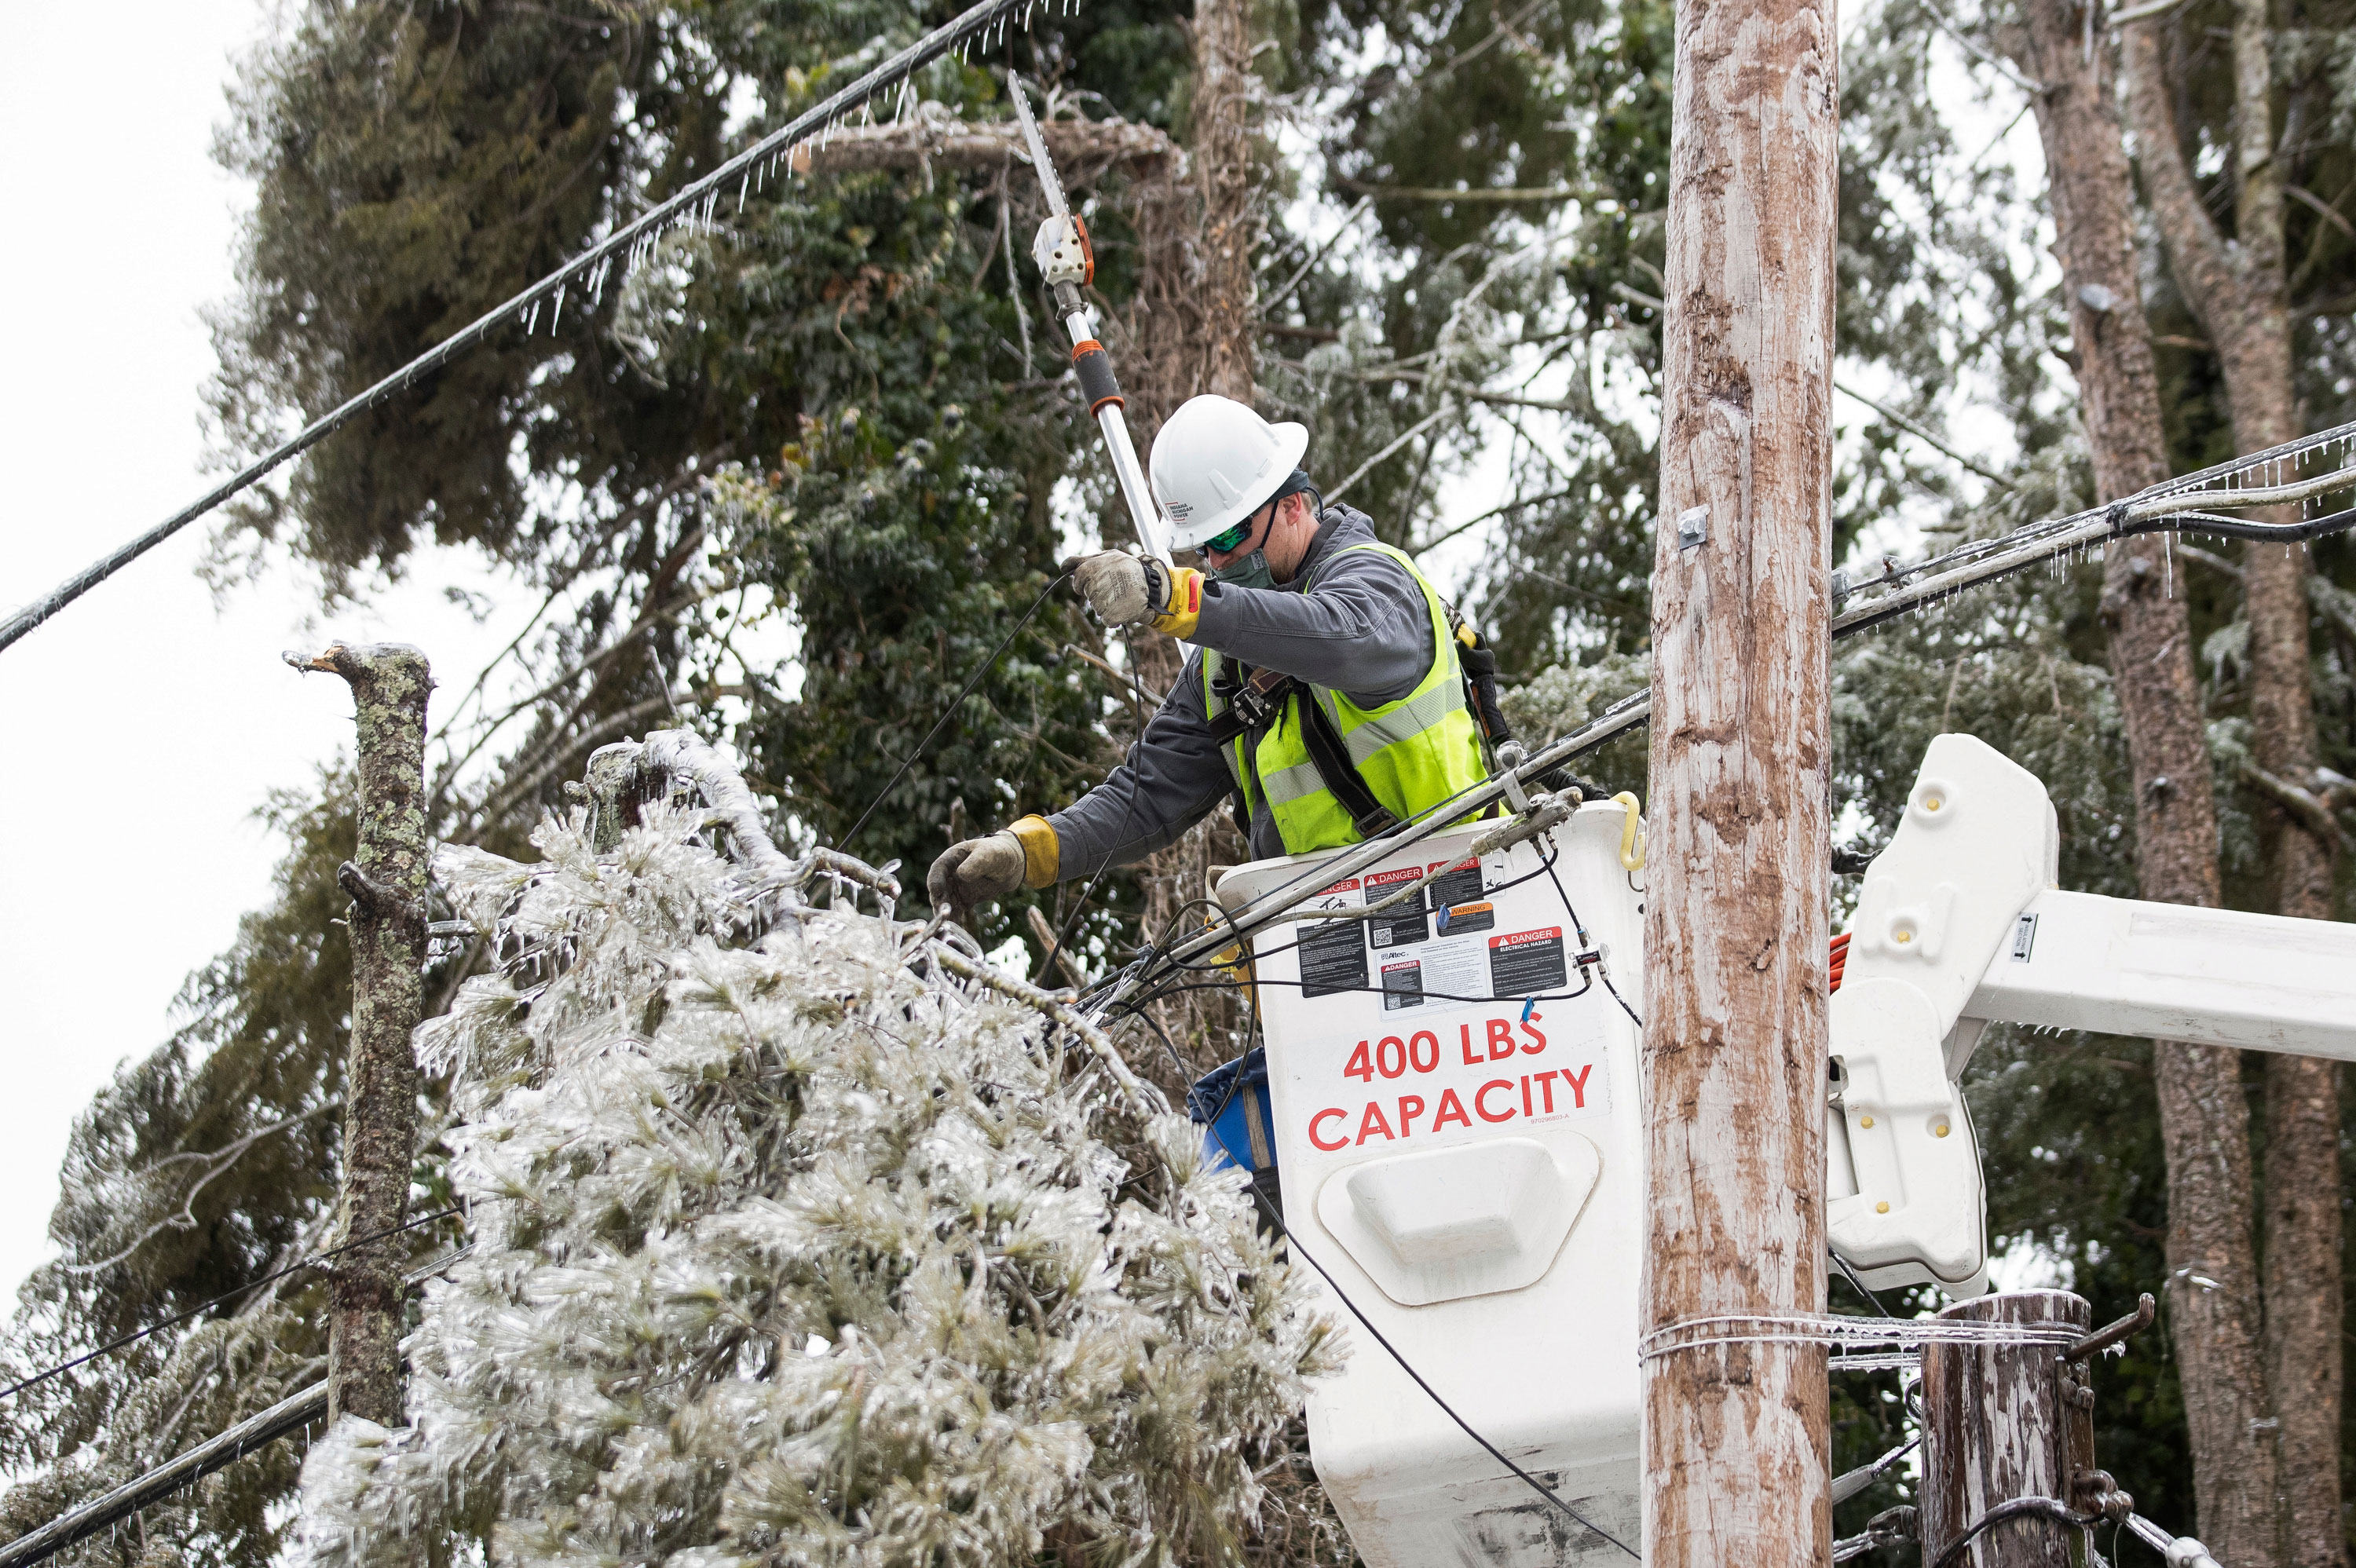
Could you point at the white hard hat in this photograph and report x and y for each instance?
(1216, 462)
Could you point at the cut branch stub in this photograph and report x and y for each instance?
(386, 879)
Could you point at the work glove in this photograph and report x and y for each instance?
(1124, 588)
(975, 871)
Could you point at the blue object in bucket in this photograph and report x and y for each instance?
(1231, 1103)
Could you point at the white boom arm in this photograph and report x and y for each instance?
(1960, 925)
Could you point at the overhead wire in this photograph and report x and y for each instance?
(312, 1261)
(973, 681)
(587, 270)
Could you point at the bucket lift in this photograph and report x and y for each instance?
(1463, 1160)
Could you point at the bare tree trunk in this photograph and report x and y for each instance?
(1192, 328)
(2204, 1121)
(1737, 1439)
(2239, 293)
(386, 879)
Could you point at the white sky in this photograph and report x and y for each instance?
(162, 721)
(143, 726)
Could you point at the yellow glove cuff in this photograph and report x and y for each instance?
(1041, 852)
(1185, 604)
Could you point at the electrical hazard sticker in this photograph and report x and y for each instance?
(1527, 962)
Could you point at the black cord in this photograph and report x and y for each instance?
(1849, 1274)
(1583, 943)
(1121, 838)
(310, 1261)
(2045, 1509)
(1293, 1242)
(975, 679)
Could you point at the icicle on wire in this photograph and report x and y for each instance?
(952, 36)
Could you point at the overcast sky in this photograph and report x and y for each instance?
(142, 726)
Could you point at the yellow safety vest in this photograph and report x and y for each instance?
(1412, 753)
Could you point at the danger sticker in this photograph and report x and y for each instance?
(1527, 962)
(1405, 923)
(1459, 910)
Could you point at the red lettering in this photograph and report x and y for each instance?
(1465, 1035)
(1577, 1086)
(1500, 1039)
(1525, 1093)
(1372, 1123)
(1415, 1051)
(1361, 1066)
(1341, 1142)
(1452, 1109)
(1535, 1034)
(1383, 1055)
(1481, 1101)
(1410, 1107)
(1545, 1080)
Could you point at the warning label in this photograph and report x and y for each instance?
(1527, 962)
(1402, 984)
(1458, 891)
(1404, 923)
(1333, 955)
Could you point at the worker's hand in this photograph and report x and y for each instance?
(975, 871)
(1124, 588)
(1116, 586)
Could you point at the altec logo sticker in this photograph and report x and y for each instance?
(1446, 1084)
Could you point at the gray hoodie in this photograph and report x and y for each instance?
(1361, 630)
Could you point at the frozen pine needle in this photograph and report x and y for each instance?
(814, 1249)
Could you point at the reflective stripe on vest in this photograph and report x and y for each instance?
(1413, 753)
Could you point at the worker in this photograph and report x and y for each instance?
(1323, 700)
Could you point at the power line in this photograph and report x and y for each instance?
(971, 681)
(289, 1414)
(586, 269)
(312, 1261)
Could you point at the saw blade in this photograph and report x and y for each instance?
(1048, 181)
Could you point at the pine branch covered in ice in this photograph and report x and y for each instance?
(804, 1248)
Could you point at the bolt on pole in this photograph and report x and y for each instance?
(1736, 1435)
(386, 880)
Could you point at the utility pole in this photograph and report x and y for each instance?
(2003, 1424)
(1736, 1435)
(386, 880)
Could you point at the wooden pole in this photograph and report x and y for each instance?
(1737, 1439)
(386, 880)
(2002, 1422)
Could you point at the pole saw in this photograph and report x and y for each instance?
(1068, 262)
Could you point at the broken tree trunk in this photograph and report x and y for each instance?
(386, 880)
(2239, 293)
(1736, 1439)
(1191, 326)
(1997, 1425)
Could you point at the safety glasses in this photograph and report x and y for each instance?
(1228, 538)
